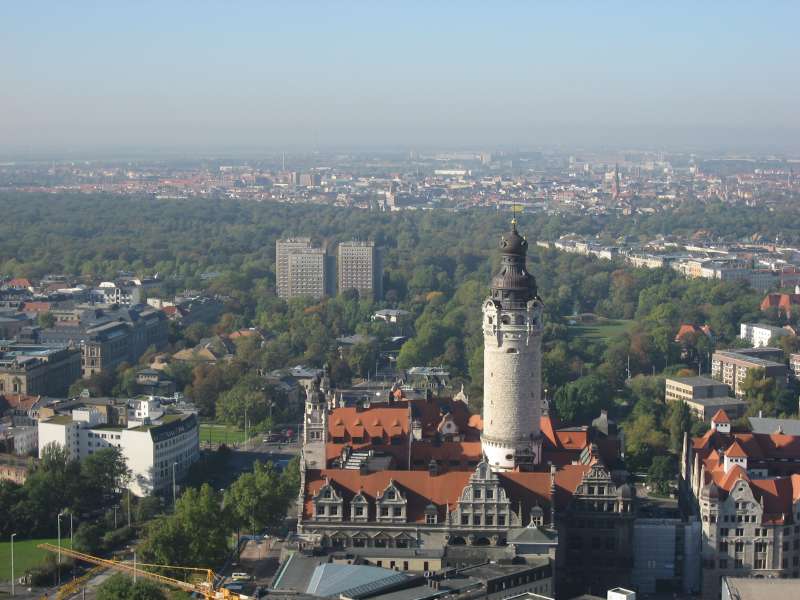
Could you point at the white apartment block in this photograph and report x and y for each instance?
(150, 447)
(759, 335)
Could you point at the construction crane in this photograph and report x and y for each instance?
(205, 588)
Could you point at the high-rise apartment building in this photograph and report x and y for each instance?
(307, 273)
(300, 269)
(360, 267)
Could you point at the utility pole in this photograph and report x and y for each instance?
(13, 535)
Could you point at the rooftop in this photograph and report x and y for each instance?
(743, 588)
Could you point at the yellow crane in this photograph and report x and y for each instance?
(206, 588)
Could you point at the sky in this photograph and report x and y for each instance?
(205, 76)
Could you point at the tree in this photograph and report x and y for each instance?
(680, 421)
(643, 440)
(103, 475)
(194, 535)
(581, 400)
(760, 392)
(661, 472)
(258, 499)
(89, 538)
(121, 587)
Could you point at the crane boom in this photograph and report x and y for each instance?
(206, 588)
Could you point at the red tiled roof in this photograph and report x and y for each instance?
(19, 401)
(783, 302)
(444, 490)
(720, 417)
(687, 329)
(736, 451)
(382, 421)
(36, 307)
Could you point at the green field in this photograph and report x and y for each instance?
(601, 331)
(220, 434)
(26, 556)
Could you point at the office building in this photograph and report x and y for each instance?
(703, 396)
(152, 442)
(360, 267)
(36, 369)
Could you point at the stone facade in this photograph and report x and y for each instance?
(512, 378)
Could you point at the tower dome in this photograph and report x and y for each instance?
(513, 283)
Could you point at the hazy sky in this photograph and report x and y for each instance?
(196, 74)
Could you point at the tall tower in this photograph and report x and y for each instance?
(512, 362)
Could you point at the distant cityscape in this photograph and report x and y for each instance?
(629, 182)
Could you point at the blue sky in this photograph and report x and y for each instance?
(295, 74)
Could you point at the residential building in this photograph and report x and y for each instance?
(19, 439)
(35, 369)
(759, 334)
(283, 250)
(360, 267)
(157, 450)
(745, 489)
(794, 364)
(732, 367)
(307, 273)
(703, 396)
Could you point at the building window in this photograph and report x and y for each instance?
(501, 520)
(723, 563)
(359, 511)
(465, 519)
(477, 493)
(759, 563)
(489, 494)
(738, 563)
(739, 532)
(430, 519)
(476, 519)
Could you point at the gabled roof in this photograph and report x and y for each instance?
(735, 450)
(720, 417)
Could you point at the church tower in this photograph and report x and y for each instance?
(512, 362)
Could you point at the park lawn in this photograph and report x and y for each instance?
(601, 331)
(26, 555)
(220, 434)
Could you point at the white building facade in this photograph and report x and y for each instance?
(150, 449)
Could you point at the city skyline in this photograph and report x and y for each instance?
(251, 77)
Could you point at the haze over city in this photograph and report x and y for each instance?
(198, 77)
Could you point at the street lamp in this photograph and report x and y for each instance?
(173, 485)
(61, 514)
(13, 535)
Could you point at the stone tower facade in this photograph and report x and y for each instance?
(512, 362)
(316, 422)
